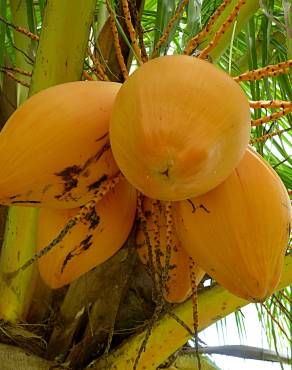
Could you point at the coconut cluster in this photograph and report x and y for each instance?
(178, 130)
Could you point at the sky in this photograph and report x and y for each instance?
(255, 336)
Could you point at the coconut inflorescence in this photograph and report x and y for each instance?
(152, 250)
(178, 130)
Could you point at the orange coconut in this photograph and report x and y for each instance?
(178, 286)
(238, 232)
(87, 244)
(54, 150)
(179, 127)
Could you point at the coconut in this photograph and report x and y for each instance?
(179, 127)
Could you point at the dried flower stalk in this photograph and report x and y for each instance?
(17, 70)
(272, 117)
(266, 104)
(131, 29)
(269, 136)
(98, 66)
(12, 76)
(115, 33)
(137, 21)
(22, 30)
(268, 71)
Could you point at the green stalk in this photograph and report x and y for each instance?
(18, 246)
(59, 59)
(24, 46)
(63, 43)
(20, 229)
(168, 335)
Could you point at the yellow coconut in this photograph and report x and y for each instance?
(54, 150)
(178, 286)
(179, 127)
(238, 232)
(89, 243)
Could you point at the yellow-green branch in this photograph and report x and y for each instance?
(20, 230)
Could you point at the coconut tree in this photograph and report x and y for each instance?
(122, 314)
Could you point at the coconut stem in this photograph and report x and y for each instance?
(99, 71)
(143, 225)
(196, 40)
(137, 21)
(171, 313)
(156, 238)
(169, 243)
(268, 71)
(194, 298)
(163, 277)
(152, 270)
(132, 31)
(213, 43)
